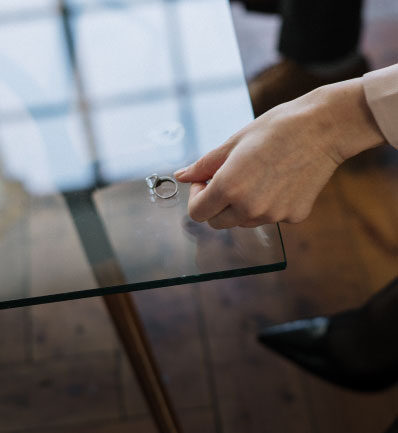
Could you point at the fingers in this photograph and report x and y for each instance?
(226, 219)
(208, 203)
(204, 169)
(196, 188)
(232, 216)
(205, 201)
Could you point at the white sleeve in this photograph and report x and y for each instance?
(381, 91)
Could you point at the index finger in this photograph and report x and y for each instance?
(205, 201)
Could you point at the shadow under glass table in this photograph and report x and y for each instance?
(96, 95)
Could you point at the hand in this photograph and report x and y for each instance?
(274, 168)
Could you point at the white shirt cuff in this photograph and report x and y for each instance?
(381, 92)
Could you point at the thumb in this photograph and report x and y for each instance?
(205, 168)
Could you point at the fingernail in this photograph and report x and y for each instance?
(180, 171)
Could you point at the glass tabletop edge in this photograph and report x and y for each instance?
(136, 287)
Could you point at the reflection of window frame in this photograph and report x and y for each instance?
(182, 90)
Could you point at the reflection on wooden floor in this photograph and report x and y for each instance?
(62, 369)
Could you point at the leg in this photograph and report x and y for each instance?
(122, 309)
(316, 31)
(128, 324)
(318, 43)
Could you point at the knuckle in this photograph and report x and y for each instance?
(218, 186)
(193, 213)
(231, 193)
(200, 163)
(247, 212)
(298, 216)
(272, 217)
(231, 141)
(251, 213)
(294, 219)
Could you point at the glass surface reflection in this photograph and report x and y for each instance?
(94, 97)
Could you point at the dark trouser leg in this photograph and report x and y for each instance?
(267, 6)
(317, 40)
(316, 31)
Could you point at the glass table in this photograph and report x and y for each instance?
(96, 95)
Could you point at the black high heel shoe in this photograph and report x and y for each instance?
(356, 349)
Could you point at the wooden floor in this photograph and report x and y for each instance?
(62, 369)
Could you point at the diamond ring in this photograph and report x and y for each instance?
(154, 181)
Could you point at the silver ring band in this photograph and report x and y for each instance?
(154, 181)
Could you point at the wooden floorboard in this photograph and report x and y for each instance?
(255, 391)
(59, 392)
(194, 421)
(71, 328)
(172, 325)
(367, 187)
(137, 425)
(13, 339)
(171, 321)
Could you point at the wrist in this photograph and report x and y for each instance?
(357, 129)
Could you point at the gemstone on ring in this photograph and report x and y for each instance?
(155, 181)
(152, 181)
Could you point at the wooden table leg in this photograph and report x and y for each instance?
(127, 322)
(122, 310)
